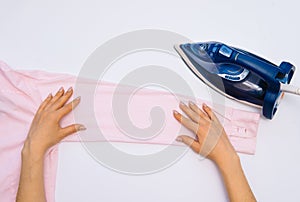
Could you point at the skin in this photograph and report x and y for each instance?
(212, 142)
(45, 132)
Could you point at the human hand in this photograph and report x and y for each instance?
(45, 130)
(211, 139)
(212, 142)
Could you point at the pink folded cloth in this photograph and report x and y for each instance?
(22, 92)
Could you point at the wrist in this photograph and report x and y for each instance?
(228, 161)
(32, 152)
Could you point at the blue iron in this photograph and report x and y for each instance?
(239, 75)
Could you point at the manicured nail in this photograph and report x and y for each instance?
(61, 89)
(192, 103)
(179, 139)
(177, 115)
(204, 105)
(70, 89)
(76, 102)
(81, 127)
(182, 103)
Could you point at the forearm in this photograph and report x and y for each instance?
(31, 186)
(45, 132)
(235, 180)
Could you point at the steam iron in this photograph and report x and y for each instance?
(239, 75)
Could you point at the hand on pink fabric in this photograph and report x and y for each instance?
(24, 88)
(211, 139)
(45, 130)
(212, 142)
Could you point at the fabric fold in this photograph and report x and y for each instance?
(22, 92)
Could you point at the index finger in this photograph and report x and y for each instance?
(188, 123)
(69, 107)
(44, 103)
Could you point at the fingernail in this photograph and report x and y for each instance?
(182, 104)
(179, 139)
(175, 112)
(70, 89)
(192, 103)
(61, 89)
(81, 127)
(204, 105)
(50, 95)
(78, 98)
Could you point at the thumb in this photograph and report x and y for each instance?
(191, 142)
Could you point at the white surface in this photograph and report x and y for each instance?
(59, 35)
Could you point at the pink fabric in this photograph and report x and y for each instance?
(22, 92)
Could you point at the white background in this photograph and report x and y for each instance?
(58, 36)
